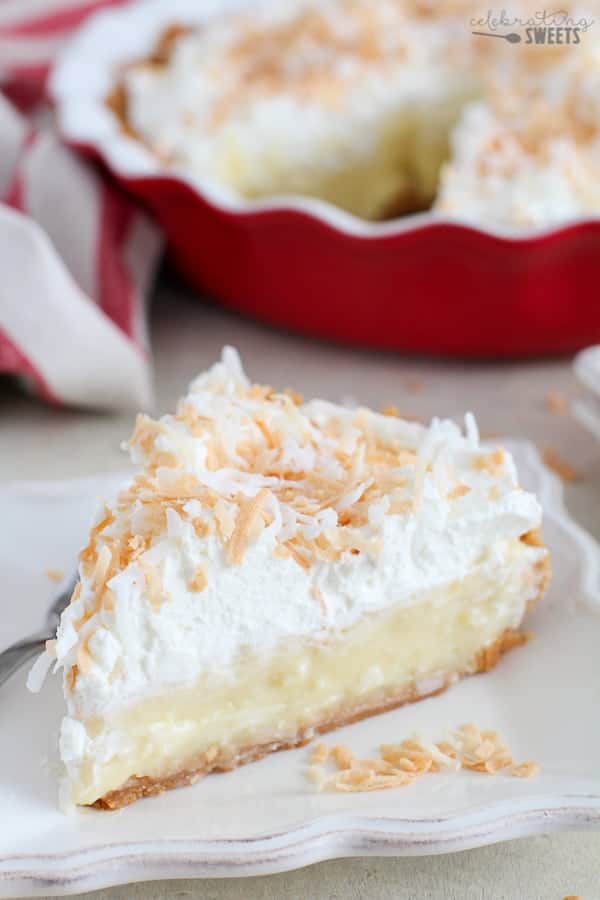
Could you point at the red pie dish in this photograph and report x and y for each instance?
(421, 282)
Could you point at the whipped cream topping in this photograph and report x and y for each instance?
(256, 519)
(529, 154)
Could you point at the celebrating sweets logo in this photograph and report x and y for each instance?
(542, 27)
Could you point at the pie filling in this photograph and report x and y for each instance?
(398, 175)
(432, 636)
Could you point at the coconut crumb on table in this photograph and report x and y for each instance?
(401, 764)
(556, 403)
(342, 756)
(55, 575)
(319, 753)
(526, 770)
(559, 465)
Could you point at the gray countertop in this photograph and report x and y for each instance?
(508, 398)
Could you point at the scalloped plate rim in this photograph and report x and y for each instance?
(331, 835)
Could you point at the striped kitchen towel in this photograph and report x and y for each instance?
(77, 257)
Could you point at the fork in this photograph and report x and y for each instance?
(14, 656)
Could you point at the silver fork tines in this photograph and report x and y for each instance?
(14, 656)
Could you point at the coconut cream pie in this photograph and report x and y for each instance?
(361, 104)
(346, 100)
(277, 569)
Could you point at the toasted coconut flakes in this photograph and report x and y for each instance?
(199, 581)
(319, 753)
(490, 462)
(391, 411)
(469, 735)
(318, 595)
(270, 439)
(197, 425)
(296, 398)
(485, 750)
(533, 539)
(215, 457)
(299, 557)
(200, 527)
(153, 585)
(260, 392)
(556, 403)
(526, 770)
(71, 678)
(401, 507)
(458, 491)
(342, 756)
(347, 778)
(360, 780)
(107, 600)
(163, 458)
(84, 658)
(374, 783)
(562, 468)
(381, 767)
(225, 517)
(501, 759)
(51, 648)
(249, 511)
(137, 545)
(88, 554)
(103, 563)
(401, 764)
(144, 433)
(494, 492)
(55, 575)
(352, 496)
(447, 749)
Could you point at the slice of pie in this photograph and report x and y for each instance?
(275, 570)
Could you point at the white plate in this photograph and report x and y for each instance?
(266, 817)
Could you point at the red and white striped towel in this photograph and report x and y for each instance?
(76, 256)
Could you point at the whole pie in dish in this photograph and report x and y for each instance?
(277, 569)
(378, 108)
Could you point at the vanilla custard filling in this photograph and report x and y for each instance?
(263, 700)
(397, 172)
